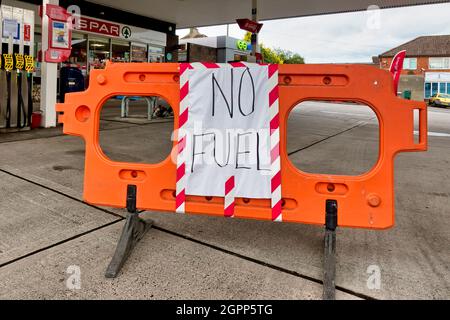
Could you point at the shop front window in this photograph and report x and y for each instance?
(138, 52)
(427, 90)
(98, 52)
(240, 57)
(155, 54)
(78, 55)
(434, 88)
(120, 51)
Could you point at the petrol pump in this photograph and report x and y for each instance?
(17, 65)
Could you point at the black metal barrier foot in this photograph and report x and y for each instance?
(329, 259)
(133, 231)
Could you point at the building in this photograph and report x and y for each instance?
(426, 70)
(113, 29)
(196, 47)
(102, 33)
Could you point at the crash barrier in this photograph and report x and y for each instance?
(17, 66)
(125, 105)
(365, 201)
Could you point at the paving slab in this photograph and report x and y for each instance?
(439, 120)
(162, 266)
(144, 144)
(32, 218)
(41, 133)
(310, 122)
(353, 152)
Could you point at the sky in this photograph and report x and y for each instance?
(349, 37)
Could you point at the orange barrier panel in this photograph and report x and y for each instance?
(365, 201)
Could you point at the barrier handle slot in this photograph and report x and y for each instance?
(423, 136)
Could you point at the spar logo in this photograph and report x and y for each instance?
(99, 26)
(126, 32)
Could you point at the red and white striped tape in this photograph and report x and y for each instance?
(229, 198)
(229, 201)
(182, 120)
(275, 143)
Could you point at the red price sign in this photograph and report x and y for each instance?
(249, 25)
(26, 32)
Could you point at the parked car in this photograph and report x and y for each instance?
(440, 100)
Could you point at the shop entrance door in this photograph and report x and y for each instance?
(99, 52)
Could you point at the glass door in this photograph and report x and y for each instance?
(78, 55)
(99, 52)
(120, 51)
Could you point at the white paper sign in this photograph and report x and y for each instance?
(228, 131)
(10, 28)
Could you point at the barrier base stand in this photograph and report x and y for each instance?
(134, 230)
(329, 259)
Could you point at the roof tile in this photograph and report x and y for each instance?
(429, 46)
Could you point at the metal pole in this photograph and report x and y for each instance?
(254, 35)
(329, 258)
(49, 74)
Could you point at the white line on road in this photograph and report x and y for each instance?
(435, 134)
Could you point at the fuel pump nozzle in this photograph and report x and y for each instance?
(19, 64)
(8, 65)
(29, 68)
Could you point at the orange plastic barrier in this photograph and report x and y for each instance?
(365, 201)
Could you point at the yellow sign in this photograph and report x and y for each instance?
(9, 61)
(19, 61)
(29, 63)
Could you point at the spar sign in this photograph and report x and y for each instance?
(228, 139)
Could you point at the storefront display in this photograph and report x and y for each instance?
(155, 54)
(99, 52)
(138, 52)
(78, 56)
(120, 51)
(95, 41)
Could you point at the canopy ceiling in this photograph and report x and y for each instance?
(196, 13)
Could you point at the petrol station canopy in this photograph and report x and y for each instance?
(196, 13)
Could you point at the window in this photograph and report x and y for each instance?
(120, 51)
(410, 64)
(427, 90)
(139, 52)
(434, 88)
(78, 55)
(439, 63)
(155, 54)
(98, 52)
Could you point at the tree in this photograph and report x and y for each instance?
(270, 56)
(289, 57)
(277, 55)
